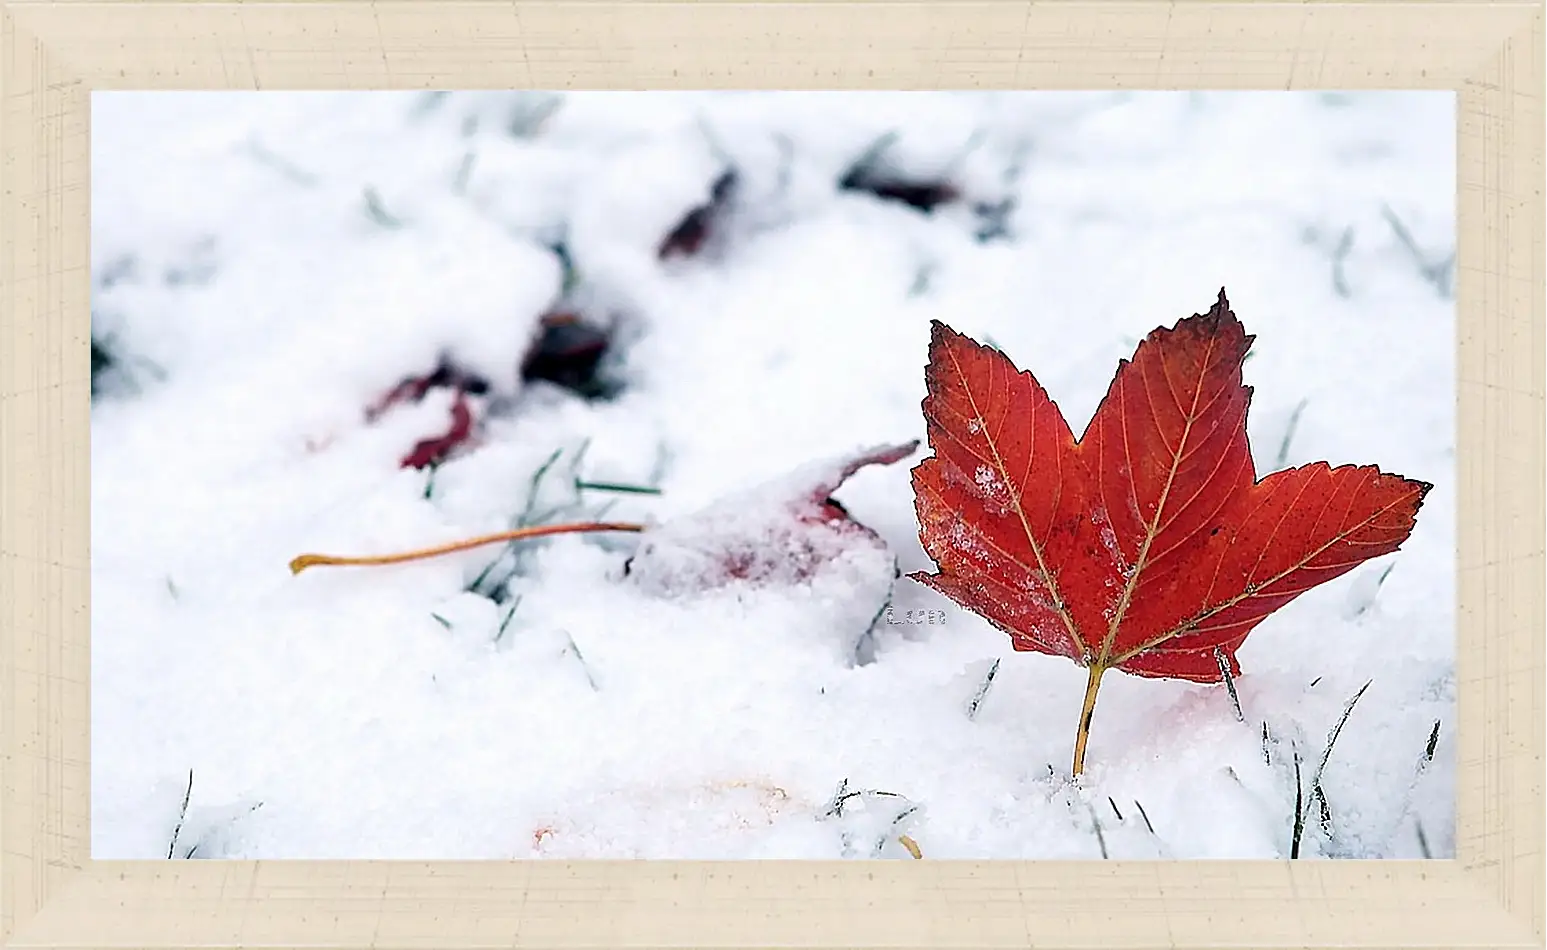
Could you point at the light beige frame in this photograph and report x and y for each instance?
(53, 54)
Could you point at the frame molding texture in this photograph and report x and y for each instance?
(53, 54)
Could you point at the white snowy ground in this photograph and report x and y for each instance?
(258, 301)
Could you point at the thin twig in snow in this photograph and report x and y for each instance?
(663, 459)
(786, 149)
(378, 212)
(534, 487)
(1224, 671)
(1419, 768)
(181, 815)
(204, 838)
(532, 112)
(429, 102)
(1144, 815)
(288, 169)
(1299, 826)
(974, 142)
(921, 280)
(843, 795)
(835, 804)
(982, 693)
(464, 173)
(616, 487)
(523, 519)
(580, 658)
(1289, 434)
(1101, 839)
(876, 849)
(1317, 792)
(1337, 730)
(870, 156)
(865, 644)
(1339, 255)
(509, 615)
(712, 140)
(1436, 273)
(1379, 580)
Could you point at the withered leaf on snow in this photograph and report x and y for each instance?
(783, 531)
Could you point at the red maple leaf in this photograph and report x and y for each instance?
(1148, 545)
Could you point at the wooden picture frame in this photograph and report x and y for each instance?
(52, 55)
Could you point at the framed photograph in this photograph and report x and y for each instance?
(865, 475)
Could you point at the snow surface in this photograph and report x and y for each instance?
(267, 264)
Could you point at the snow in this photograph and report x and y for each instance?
(266, 265)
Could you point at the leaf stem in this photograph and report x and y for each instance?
(1092, 685)
(302, 562)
